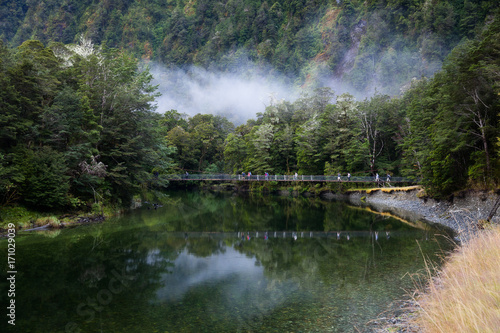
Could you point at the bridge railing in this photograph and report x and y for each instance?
(311, 178)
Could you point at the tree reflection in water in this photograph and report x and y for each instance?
(186, 268)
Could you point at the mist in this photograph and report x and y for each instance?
(238, 94)
(241, 89)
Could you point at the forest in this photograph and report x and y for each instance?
(368, 45)
(79, 127)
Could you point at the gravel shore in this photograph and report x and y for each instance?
(461, 213)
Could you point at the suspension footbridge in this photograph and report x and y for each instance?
(288, 178)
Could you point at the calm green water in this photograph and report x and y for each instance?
(184, 267)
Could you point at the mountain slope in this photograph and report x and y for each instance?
(365, 45)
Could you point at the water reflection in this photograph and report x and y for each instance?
(191, 271)
(219, 264)
(223, 213)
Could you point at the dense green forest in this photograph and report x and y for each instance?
(78, 127)
(368, 45)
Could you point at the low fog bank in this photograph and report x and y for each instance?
(238, 94)
(245, 89)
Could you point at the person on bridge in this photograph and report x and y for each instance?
(266, 175)
(187, 175)
(249, 175)
(388, 177)
(348, 176)
(377, 178)
(338, 177)
(295, 176)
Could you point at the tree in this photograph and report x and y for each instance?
(235, 153)
(259, 158)
(378, 121)
(12, 123)
(185, 149)
(413, 136)
(340, 130)
(45, 183)
(308, 152)
(205, 134)
(173, 118)
(9, 179)
(283, 150)
(119, 97)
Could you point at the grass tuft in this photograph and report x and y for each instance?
(50, 220)
(464, 296)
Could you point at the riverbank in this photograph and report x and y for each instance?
(29, 220)
(463, 213)
(464, 296)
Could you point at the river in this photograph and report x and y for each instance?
(205, 262)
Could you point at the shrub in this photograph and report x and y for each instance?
(18, 215)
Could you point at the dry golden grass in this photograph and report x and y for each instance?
(465, 294)
(50, 220)
(396, 189)
(387, 189)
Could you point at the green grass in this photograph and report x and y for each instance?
(50, 220)
(18, 215)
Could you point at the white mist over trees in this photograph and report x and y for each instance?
(238, 95)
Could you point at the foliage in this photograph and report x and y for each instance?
(44, 173)
(443, 130)
(78, 124)
(382, 43)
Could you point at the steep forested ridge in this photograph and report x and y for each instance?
(77, 126)
(368, 44)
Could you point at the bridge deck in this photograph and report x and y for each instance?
(288, 178)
